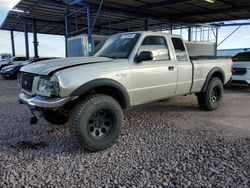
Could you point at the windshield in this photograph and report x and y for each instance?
(118, 46)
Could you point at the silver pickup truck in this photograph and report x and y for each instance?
(129, 69)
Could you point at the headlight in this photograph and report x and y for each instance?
(48, 87)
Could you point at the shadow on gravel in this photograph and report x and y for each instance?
(237, 88)
(167, 106)
(24, 145)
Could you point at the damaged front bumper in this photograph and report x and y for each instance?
(43, 102)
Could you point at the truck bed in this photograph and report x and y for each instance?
(208, 57)
(202, 65)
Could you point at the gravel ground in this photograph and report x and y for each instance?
(165, 144)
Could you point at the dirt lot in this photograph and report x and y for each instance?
(170, 143)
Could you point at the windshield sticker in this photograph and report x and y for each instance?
(128, 36)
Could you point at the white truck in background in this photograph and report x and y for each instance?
(129, 69)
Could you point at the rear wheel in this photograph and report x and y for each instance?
(96, 122)
(211, 99)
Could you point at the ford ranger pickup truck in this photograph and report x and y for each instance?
(90, 93)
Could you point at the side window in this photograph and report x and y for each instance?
(157, 45)
(181, 54)
(245, 56)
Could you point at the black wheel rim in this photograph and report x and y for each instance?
(216, 94)
(101, 124)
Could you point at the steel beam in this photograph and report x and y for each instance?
(229, 35)
(90, 45)
(75, 2)
(116, 10)
(79, 31)
(162, 4)
(216, 40)
(209, 12)
(26, 37)
(12, 43)
(189, 34)
(97, 16)
(67, 28)
(146, 24)
(35, 40)
(231, 24)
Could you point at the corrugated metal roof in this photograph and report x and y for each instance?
(126, 15)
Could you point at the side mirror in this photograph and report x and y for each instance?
(144, 56)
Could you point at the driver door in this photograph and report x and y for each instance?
(155, 79)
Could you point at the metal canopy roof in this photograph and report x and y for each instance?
(120, 16)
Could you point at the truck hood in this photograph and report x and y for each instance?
(49, 66)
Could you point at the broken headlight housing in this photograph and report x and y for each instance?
(48, 88)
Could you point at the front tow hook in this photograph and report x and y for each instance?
(33, 119)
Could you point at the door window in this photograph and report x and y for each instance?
(157, 45)
(180, 51)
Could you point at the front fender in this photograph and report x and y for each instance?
(102, 82)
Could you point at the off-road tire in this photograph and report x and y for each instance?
(54, 117)
(80, 122)
(205, 99)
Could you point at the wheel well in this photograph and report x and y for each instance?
(219, 75)
(214, 73)
(110, 91)
(105, 90)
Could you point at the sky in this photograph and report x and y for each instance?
(51, 45)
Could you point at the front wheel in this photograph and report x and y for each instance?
(211, 99)
(96, 122)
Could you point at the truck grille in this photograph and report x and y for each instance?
(239, 71)
(27, 81)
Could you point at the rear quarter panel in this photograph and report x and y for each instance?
(203, 67)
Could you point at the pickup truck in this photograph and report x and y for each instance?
(90, 93)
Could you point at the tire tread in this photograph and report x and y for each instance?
(203, 98)
(74, 120)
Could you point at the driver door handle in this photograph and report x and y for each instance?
(171, 68)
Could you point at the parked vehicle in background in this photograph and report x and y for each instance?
(241, 68)
(129, 69)
(5, 60)
(18, 60)
(5, 56)
(12, 71)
